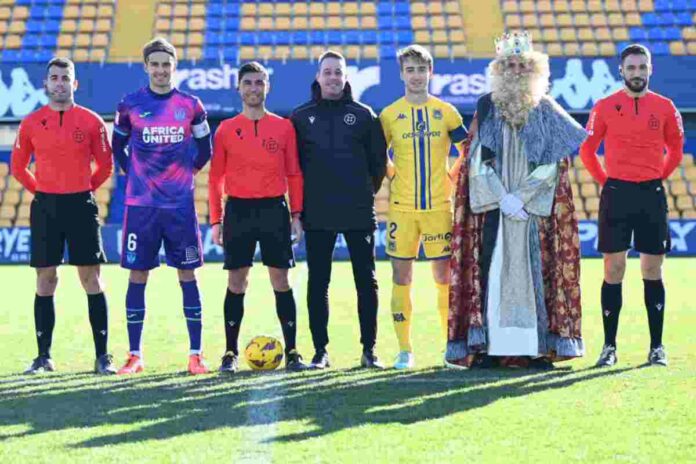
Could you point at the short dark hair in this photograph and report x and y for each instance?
(635, 49)
(416, 52)
(63, 63)
(331, 54)
(251, 67)
(158, 44)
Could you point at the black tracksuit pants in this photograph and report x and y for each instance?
(361, 246)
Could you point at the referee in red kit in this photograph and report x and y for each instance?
(64, 139)
(255, 163)
(636, 126)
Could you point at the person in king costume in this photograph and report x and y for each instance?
(515, 291)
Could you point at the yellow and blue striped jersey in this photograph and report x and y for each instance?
(420, 137)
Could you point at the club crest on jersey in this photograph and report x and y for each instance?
(130, 257)
(349, 119)
(78, 136)
(270, 145)
(653, 123)
(180, 114)
(437, 114)
(163, 134)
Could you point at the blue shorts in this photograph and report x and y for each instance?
(144, 230)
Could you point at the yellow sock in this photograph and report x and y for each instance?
(443, 305)
(401, 314)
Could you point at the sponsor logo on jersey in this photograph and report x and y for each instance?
(180, 114)
(411, 135)
(144, 114)
(349, 119)
(311, 119)
(400, 117)
(437, 237)
(163, 134)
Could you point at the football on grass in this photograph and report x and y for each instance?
(264, 353)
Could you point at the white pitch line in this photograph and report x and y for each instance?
(263, 409)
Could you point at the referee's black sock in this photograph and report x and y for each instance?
(287, 315)
(234, 312)
(44, 321)
(611, 307)
(99, 320)
(654, 292)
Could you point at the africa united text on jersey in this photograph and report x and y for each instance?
(162, 151)
(421, 137)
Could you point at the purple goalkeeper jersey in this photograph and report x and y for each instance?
(161, 146)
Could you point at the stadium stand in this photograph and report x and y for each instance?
(600, 28)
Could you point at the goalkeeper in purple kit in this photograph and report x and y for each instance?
(168, 141)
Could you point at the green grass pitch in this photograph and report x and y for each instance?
(574, 413)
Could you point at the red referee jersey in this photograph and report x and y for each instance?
(254, 159)
(636, 132)
(64, 143)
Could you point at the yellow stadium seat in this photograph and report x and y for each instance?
(351, 22)
(317, 9)
(440, 37)
(69, 25)
(690, 214)
(547, 20)
(616, 19)
(633, 19)
(452, 7)
(367, 8)
(317, 22)
(196, 24)
(459, 51)
(197, 11)
(441, 51)
(7, 212)
(5, 13)
(334, 22)
(585, 34)
(571, 48)
(578, 6)
(282, 9)
(645, 6)
(351, 8)
(17, 27)
(100, 40)
(554, 49)
(195, 39)
(282, 23)
(265, 23)
(299, 52)
(80, 54)
(300, 22)
(564, 20)
(544, 6)
(527, 6)
(247, 53)
(66, 40)
(248, 9)
(685, 202)
(512, 21)
(437, 22)
(530, 20)
(83, 40)
(20, 13)
(2, 37)
(352, 52)
(550, 35)
(179, 24)
(248, 23)
(678, 187)
(281, 52)
(691, 48)
(97, 54)
(71, 12)
(561, 6)
(4, 169)
(677, 48)
(607, 49)
(689, 33)
(612, 6)
(4, 222)
(419, 8)
(454, 22)
(435, 8)
(422, 36)
(589, 49)
(536, 35)
(602, 34)
(419, 22)
(333, 9)
(299, 9)
(568, 34)
(88, 11)
(592, 205)
(690, 173)
(588, 190)
(368, 22)
(105, 11)
(265, 9)
(315, 51)
(456, 36)
(164, 9)
(595, 6)
(161, 25)
(620, 34)
(598, 20)
(510, 6)
(581, 20)
(63, 53)
(629, 5)
(10, 198)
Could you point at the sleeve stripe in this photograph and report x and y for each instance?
(120, 131)
(458, 135)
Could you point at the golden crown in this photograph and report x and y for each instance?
(514, 43)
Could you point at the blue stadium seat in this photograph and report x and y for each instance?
(334, 37)
(673, 33)
(214, 10)
(680, 5)
(659, 48)
(637, 34)
(662, 5)
(231, 38)
(369, 37)
(213, 24)
(385, 22)
(34, 26)
(30, 41)
(264, 39)
(649, 19)
(352, 36)
(232, 24)
(44, 55)
(403, 22)
(385, 8)
(231, 9)
(317, 37)
(51, 26)
(23, 2)
(656, 34)
(10, 56)
(248, 38)
(684, 19)
(299, 37)
(54, 12)
(404, 37)
(211, 54)
(666, 19)
(37, 12)
(402, 8)
(213, 38)
(231, 53)
(282, 38)
(48, 40)
(387, 51)
(386, 37)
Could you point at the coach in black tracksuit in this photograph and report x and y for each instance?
(343, 158)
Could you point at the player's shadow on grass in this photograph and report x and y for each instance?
(330, 401)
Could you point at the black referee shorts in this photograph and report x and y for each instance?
(633, 212)
(263, 220)
(57, 218)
